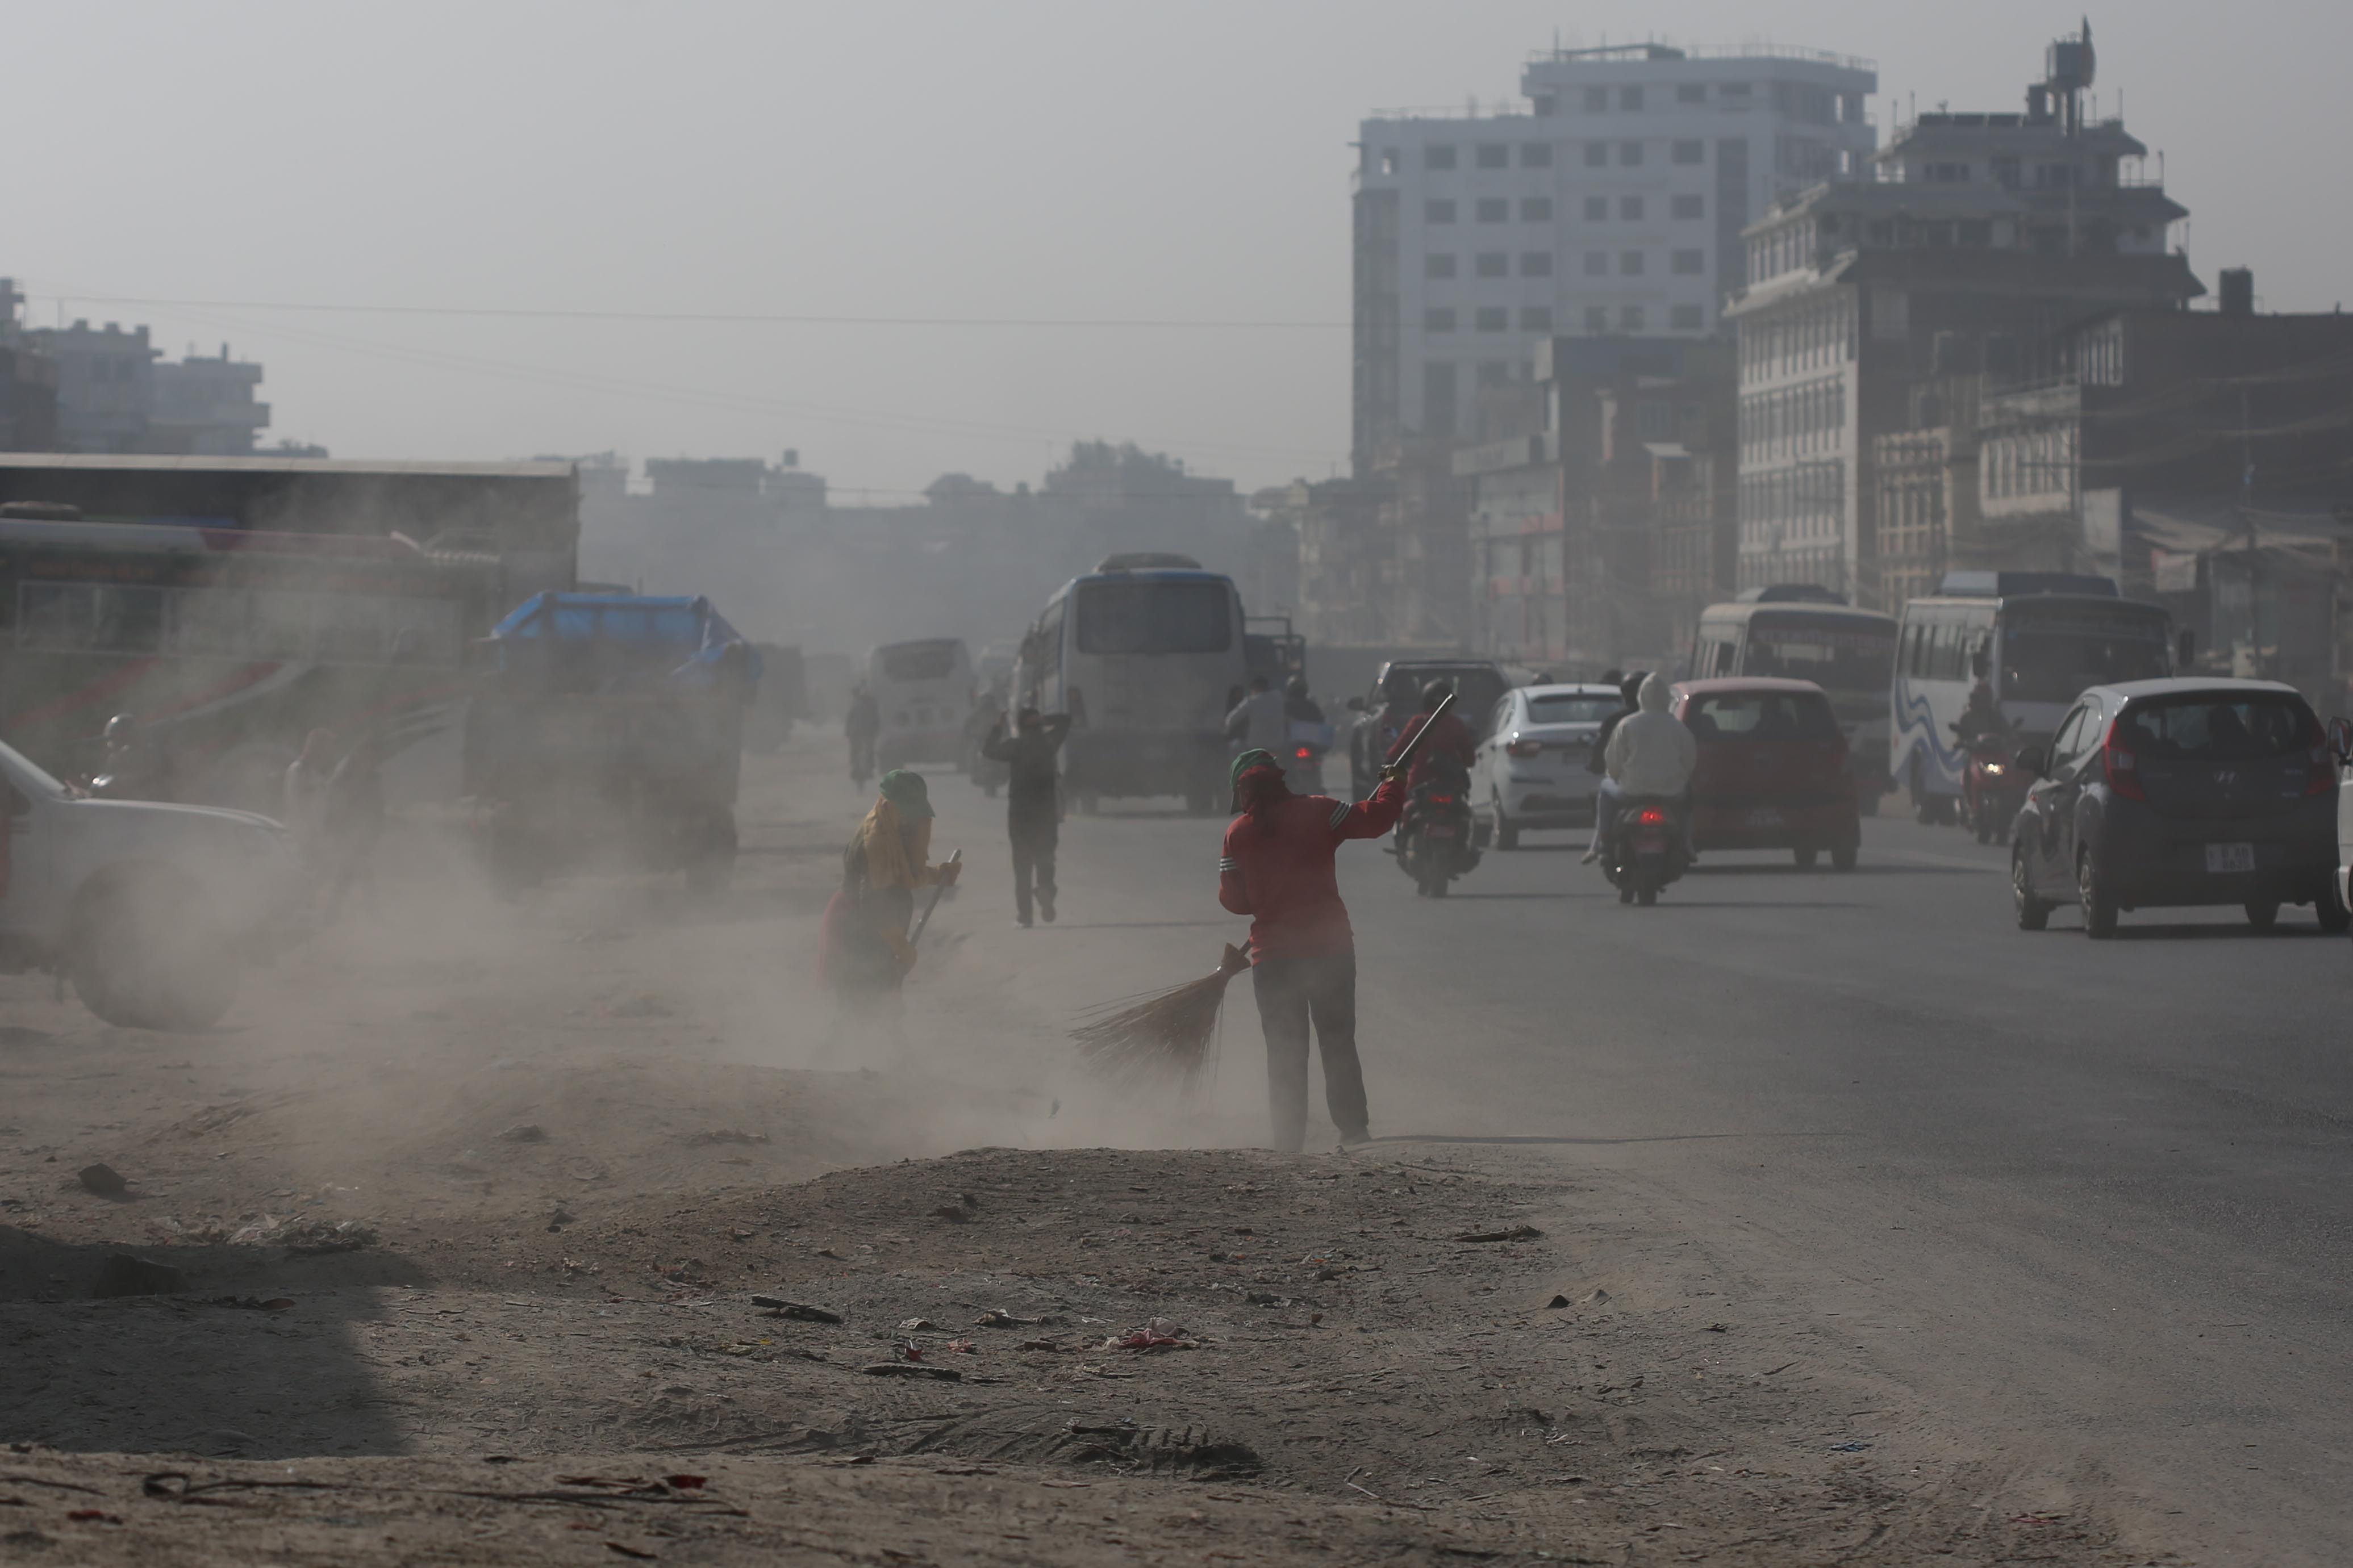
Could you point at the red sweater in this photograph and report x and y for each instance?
(1452, 738)
(1281, 874)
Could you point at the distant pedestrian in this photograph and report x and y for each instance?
(1257, 721)
(862, 724)
(353, 822)
(1033, 802)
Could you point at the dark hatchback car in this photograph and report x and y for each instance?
(2178, 793)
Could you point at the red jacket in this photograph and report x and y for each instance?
(1281, 874)
(1452, 738)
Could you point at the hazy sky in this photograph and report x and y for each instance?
(1031, 158)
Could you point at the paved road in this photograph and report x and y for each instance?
(2090, 1199)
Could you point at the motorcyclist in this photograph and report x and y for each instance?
(1982, 717)
(1630, 688)
(1304, 728)
(1401, 701)
(129, 767)
(1297, 705)
(1649, 754)
(1450, 738)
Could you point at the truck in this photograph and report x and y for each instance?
(607, 728)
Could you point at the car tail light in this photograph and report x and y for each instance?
(1306, 754)
(2120, 767)
(2323, 776)
(1651, 816)
(1525, 749)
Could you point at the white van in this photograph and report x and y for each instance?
(923, 690)
(1847, 652)
(2037, 651)
(1146, 660)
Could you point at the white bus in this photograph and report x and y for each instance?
(923, 690)
(2037, 651)
(1146, 660)
(1847, 652)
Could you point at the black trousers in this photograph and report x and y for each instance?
(1035, 837)
(1292, 992)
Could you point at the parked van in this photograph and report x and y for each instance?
(922, 689)
(1849, 653)
(2036, 650)
(1146, 660)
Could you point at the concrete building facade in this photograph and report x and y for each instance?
(1612, 203)
(1981, 240)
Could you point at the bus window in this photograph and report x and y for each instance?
(1841, 654)
(1154, 618)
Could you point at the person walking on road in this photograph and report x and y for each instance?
(862, 724)
(1278, 869)
(1033, 802)
(1258, 722)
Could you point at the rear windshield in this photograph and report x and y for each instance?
(1154, 618)
(920, 661)
(2218, 728)
(1839, 653)
(1761, 716)
(1571, 708)
(2054, 657)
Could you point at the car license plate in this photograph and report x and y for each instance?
(2221, 858)
(1764, 816)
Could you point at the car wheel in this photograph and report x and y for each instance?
(1506, 836)
(1842, 857)
(1806, 858)
(2099, 904)
(2263, 913)
(2329, 908)
(2033, 914)
(145, 957)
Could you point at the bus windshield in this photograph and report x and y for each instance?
(1193, 617)
(1836, 653)
(2052, 657)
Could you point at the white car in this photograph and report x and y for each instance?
(1530, 771)
(148, 908)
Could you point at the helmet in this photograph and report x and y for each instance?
(1436, 692)
(122, 728)
(1630, 689)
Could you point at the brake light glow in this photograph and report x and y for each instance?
(1305, 754)
(1525, 749)
(2323, 776)
(1651, 816)
(1442, 800)
(2120, 767)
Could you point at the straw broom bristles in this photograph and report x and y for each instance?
(1161, 1036)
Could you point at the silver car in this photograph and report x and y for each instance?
(1531, 769)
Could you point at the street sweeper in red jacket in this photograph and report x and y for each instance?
(1278, 869)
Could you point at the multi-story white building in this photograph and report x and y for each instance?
(1614, 204)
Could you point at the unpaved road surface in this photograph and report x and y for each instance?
(573, 1139)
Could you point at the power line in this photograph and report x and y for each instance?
(719, 318)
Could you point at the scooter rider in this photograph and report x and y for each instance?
(1649, 754)
(1450, 738)
(1597, 758)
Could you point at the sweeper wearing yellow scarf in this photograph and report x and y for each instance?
(885, 861)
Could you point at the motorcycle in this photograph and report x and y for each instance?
(1645, 850)
(1993, 787)
(1434, 837)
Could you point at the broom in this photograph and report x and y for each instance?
(1164, 1035)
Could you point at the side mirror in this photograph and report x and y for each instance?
(1355, 705)
(2185, 649)
(2034, 760)
(2340, 740)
